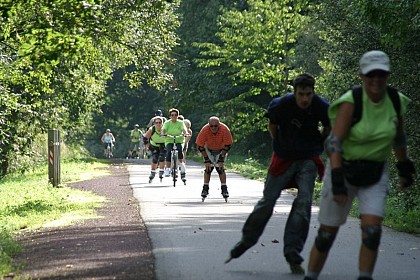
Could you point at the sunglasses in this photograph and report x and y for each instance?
(212, 126)
(174, 115)
(157, 122)
(379, 74)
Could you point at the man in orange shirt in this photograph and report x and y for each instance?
(214, 142)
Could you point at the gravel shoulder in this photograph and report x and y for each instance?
(114, 246)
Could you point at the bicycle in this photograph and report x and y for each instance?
(174, 158)
(108, 151)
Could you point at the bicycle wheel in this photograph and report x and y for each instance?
(174, 165)
(107, 151)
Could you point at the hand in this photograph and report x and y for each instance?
(337, 180)
(341, 199)
(406, 171)
(404, 183)
(208, 166)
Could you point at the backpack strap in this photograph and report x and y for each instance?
(357, 92)
(395, 98)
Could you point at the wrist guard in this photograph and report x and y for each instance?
(206, 160)
(337, 179)
(406, 170)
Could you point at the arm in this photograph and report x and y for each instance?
(227, 142)
(103, 138)
(333, 145)
(405, 166)
(188, 138)
(272, 128)
(148, 134)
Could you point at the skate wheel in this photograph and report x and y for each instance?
(226, 199)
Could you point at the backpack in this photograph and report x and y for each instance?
(357, 93)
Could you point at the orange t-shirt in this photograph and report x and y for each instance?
(216, 141)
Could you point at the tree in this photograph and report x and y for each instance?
(256, 51)
(61, 53)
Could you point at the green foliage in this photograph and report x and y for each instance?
(57, 57)
(247, 166)
(255, 51)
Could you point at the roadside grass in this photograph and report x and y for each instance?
(247, 167)
(28, 202)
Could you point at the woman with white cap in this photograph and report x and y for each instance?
(367, 125)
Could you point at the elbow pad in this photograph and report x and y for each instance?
(333, 145)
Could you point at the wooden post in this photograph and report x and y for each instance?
(54, 157)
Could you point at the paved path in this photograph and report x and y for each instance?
(192, 239)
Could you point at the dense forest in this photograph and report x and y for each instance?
(84, 66)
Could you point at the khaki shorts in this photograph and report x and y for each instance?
(371, 200)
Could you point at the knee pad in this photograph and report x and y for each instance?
(155, 157)
(209, 171)
(324, 240)
(372, 236)
(162, 156)
(220, 170)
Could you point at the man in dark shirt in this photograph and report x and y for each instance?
(294, 121)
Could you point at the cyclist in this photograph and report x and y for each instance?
(214, 141)
(108, 139)
(174, 127)
(156, 144)
(135, 136)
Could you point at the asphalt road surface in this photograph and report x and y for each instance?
(191, 239)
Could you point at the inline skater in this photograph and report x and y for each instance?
(156, 144)
(297, 140)
(214, 141)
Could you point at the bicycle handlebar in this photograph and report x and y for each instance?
(174, 136)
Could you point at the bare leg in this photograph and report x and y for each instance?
(367, 257)
(317, 258)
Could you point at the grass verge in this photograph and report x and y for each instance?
(28, 202)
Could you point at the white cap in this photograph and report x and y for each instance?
(374, 60)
